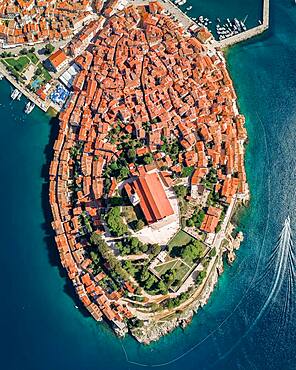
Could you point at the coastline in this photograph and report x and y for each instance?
(212, 283)
(37, 289)
(77, 270)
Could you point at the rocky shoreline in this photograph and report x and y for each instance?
(155, 330)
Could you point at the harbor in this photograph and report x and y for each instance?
(229, 33)
(248, 34)
(28, 94)
(192, 23)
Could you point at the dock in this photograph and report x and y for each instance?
(34, 98)
(176, 13)
(245, 35)
(187, 22)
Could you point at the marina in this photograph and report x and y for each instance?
(229, 33)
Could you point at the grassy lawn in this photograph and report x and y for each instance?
(164, 267)
(19, 64)
(182, 270)
(33, 58)
(180, 239)
(43, 75)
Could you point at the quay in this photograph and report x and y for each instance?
(28, 94)
(243, 36)
(187, 22)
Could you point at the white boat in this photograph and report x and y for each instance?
(29, 107)
(243, 26)
(19, 95)
(189, 7)
(14, 94)
(1, 76)
(237, 24)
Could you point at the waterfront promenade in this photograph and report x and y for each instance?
(28, 94)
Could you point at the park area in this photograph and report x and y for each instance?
(180, 239)
(172, 271)
(28, 69)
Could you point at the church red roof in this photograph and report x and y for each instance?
(153, 200)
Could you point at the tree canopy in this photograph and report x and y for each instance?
(115, 222)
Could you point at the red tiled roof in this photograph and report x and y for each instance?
(153, 200)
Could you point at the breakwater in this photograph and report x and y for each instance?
(243, 36)
(187, 22)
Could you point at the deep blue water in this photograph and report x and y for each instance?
(41, 329)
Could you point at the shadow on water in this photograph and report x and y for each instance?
(52, 250)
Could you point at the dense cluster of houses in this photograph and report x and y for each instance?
(145, 74)
(30, 21)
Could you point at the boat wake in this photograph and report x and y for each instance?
(282, 261)
(283, 256)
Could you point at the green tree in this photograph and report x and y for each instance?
(193, 251)
(49, 49)
(139, 225)
(155, 249)
(150, 282)
(144, 275)
(96, 238)
(148, 159)
(162, 287)
(124, 172)
(115, 223)
(24, 51)
(131, 154)
(200, 277)
(180, 191)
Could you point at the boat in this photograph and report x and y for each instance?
(1, 76)
(237, 24)
(189, 7)
(243, 26)
(14, 94)
(19, 95)
(29, 107)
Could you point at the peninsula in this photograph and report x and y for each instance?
(148, 165)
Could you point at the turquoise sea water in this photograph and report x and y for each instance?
(40, 327)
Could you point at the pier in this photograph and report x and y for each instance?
(243, 36)
(187, 22)
(28, 94)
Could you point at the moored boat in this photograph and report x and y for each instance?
(14, 94)
(19, 95)
(29, 107)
